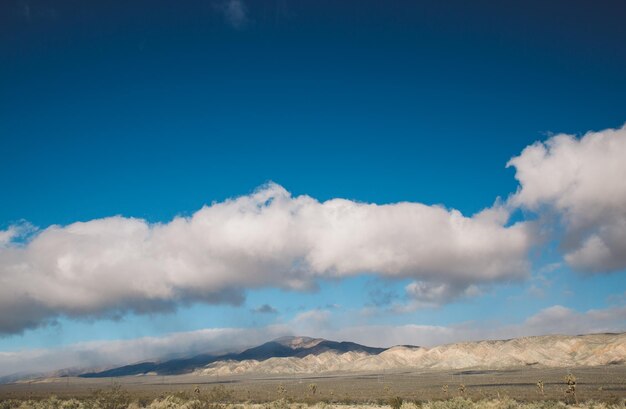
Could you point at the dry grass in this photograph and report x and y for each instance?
(393, 390)
(115, 399)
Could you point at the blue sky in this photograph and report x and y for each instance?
(151, 110)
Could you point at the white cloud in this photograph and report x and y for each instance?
(430, 294)
(14, 233)
(583, 181)
(552, 320)
(6, 236)
(268, 238)
(312, 316)
(564, 320)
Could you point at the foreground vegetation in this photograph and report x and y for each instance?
(222, 398)
(178, 402)
(517, 388)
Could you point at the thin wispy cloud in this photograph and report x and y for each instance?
(97, 354)
(265, 309)
(32, 12)
(556, 319)
(94, 354)
(380, 294)
(235, 13)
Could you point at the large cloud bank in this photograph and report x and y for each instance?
(270, 238)
(583, 181)
(267, 238)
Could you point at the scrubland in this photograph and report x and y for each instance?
(122, 401)
(522, 388)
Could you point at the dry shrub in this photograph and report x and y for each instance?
(409, 405)
(455, 403)
(395, 402)
(115, 397)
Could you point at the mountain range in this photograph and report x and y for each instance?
(285, 347)
(316, 355)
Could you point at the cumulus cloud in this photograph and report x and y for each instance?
(432, 294)
(581, 180)
(268, 238)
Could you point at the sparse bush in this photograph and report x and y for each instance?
(169, 402)
(10, 404)
(113, 398)
(614, 401)
(118, 398)
(454, 403)
(220, 394)
(71, 404)
(281, 390)
(545, 404)
(502, 403)
(280, 403)
(410, 405)
(570, 382)
(395, 402)
(540, 387)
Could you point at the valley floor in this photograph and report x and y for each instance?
(604, 383)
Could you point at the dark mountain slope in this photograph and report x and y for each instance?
(280, 348)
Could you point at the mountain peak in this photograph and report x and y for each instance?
(298, 342)
(298, 354)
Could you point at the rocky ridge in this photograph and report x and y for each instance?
(542, 351)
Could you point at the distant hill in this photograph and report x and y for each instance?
(316, 355)
(285, 347)
(303, 355)
(542, 351)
